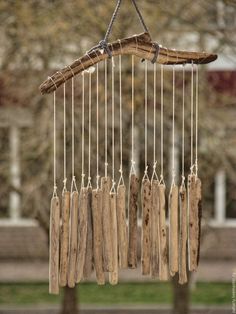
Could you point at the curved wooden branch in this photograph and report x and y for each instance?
(139, 45)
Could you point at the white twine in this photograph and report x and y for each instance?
(121, 180)
(183, 127)
(197, 109)
(64, 139)
(191, 113)
(113, 190)
(106, 162)
(82, 159)
(89, 148)
(54, 146)
(132, 171)
(146, 113)
(73, 182)
(97, 109)
(162, 124)
(173, 130)
(154, 174)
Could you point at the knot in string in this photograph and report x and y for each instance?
(146, 174)
(154, 174)
(183, 181)
(64, 185)
(121, 180)
(54, 191)
(73, 184)
(98, 178)
(132, 170)
(89, 182)
(162, 179)
(156, 53)
(103, 45)
(113, 188)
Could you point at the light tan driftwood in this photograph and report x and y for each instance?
(173, 230)
(88, 265)
(199, 212)
(155, 214)
(122, 227)
(64, 239)
(73, 238)
(133, 221)
(163, 252)
(106, 224)
(82, 233)
(146, 227)
(54, 246)
(98, 236)
(113, 276)
(138, 45)
(183, 234)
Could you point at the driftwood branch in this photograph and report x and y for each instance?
(139, 45)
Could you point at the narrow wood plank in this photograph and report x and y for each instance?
(64, 240)
(133, 221)
(183, 236)
(173, 230)
(113, 276)
(199, 214)
(98, 236)
(107, 250)
(146, 227)
(163, 251)
(54, 246)
(73, 238)
(155, 216)
(82, 233)
(122, 227)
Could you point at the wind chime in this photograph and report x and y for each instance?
(88, 227)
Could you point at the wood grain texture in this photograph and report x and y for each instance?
(73, 238)
(64, 239)
(122, 227)
(155, 216)
(82, 233)
(183, 235)
(139, 45)
(106, 214)
(133, 221)
(163, 251)
(199, 208)
(146, 227)
(113, 276)
(54, 237)
(98, 236)
(88, 266)
(173, 230)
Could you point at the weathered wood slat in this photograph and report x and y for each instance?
(199, 207)
(122, 227)
(73, 238)
(183, 234)
(163, 252)
(113, 276)
(146, 227)
(173, 230)
(64, 239)
(138, 45)
(155, 216)
(98, 236)
(133, 221)
(82, 233)
(54, 246)
(107, 250)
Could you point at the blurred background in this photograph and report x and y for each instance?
(40, 36)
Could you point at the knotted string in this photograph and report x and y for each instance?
(54, 147)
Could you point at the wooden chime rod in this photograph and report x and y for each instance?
(139, 45)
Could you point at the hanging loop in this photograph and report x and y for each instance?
(154, 174)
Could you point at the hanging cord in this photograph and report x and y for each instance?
(64, 139)
(197, 109)
(162, 125)
(97, 109)
(121, 180)
(173, 130)
(82, 159)
(89, 148)
(191, 113)
(183, 128)
(54, 147)
(145, 124)
(73, 182)
(113, 189)
(106, 163)
(132, 171)
(154, 175)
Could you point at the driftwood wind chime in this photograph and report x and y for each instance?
(88, 228)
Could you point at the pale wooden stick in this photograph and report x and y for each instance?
(122, 227)
(199, 213)
(54, 246)
(163, 252)
(98, 236)
(73, 238)
(173, 230)
(113, 276)
(64, 241)
(183, 235)
(133, 221)
(82, 234)
(88, 266)
(146, 230)
(106, 215)
(155, 229)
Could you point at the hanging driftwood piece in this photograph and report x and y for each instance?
(133, 221)
(163, 252)
(199, 212)
(64, 240)
(106, 187)
(82, 233)
(173, 230)
(122, 227)
(98, 236)
(155, 216)
(113, 276)
(146, 223)
(183, 234)
(54, 246)
(73, 238)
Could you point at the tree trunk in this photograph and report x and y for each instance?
(69, 303)
(181, 297)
